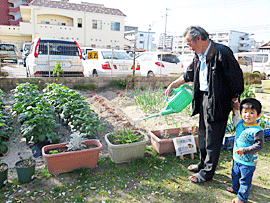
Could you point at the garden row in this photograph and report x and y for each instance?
(4, 125)
(37, 112)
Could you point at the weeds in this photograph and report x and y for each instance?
(90, 86)
(120, 83)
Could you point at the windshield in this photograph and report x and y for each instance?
(7, 48)
(116, 55)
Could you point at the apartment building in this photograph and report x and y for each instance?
(10, 11)
(236, 40)
(144, 40)
(91, 25)
(165, 42)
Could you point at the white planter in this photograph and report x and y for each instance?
(126, 152)
(257, 90)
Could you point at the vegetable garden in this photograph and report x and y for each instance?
(153, 178)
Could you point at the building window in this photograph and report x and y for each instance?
(141, 42)
(79, 22)
(45, 22)
(97, 24)
(115, 26)
(141, 35)
(93, 45)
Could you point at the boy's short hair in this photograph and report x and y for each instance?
(251, 103)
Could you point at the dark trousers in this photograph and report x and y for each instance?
(210, 140)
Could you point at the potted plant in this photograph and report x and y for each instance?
(126, 144)
(25, 169)
(3, 174)
(66, 157)
(162, 140)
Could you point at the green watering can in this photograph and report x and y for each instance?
(177, 102)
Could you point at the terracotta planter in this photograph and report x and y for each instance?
(69, 161)
(166, 145)
(126, 152)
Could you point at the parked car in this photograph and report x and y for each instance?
(8, 53)
(25, 52)
(159, 64)
(245, 63)
(40, 61)
(186, 59)
(261, 61)
(106, 62)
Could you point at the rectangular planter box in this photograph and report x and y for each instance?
(126, 152)
(69, 161)
(166, 145)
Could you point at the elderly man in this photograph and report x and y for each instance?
(217, 82)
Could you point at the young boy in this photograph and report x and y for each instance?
(249, 139)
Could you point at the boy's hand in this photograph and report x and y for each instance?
(239, 151)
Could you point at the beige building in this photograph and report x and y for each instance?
(91, 25)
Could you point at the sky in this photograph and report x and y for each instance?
(252, 16)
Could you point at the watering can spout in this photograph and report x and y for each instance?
(167, 111)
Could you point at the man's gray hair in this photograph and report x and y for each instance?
(192, 32)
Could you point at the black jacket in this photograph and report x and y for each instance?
(225, 79)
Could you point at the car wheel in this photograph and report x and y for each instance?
(150, 74)
(95, 74)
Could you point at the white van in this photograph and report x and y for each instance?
(245, 63)
(40, 61)
(261, 61)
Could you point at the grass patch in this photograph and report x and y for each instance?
(153, 178)
(90, 86)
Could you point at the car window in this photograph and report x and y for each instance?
(58, 48)
(258, 59)
(7, 47)
(116, 55)
(169, 58)
(265, 59)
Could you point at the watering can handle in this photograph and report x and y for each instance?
(178, 89)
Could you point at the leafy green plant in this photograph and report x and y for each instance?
(230, 125)
(264, 122)
(70, 105)
(57, 69)
(34, 113)
(248, 93)
(125, 136)
(5, 122)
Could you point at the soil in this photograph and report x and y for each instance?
(65, 149)
(123, 105)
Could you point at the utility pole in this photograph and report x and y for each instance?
(149, 28)
(164, 46)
